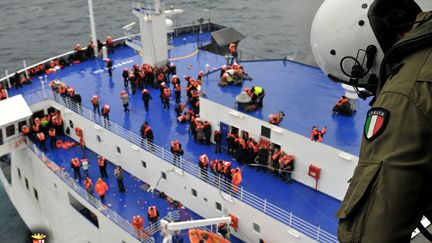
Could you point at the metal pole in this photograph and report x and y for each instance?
(8, 80)
(25, 69)
(43, 86)
(93, 27)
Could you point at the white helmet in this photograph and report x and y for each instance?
(350, 37)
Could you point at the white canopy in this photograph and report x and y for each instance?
(13, 109)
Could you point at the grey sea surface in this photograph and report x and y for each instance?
(39, 29)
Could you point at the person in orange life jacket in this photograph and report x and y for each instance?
(146, 97)
(3, 94)
(88, 185)
(342, 107)
(232, 48)
(41, 139)
(317, 135)
(177, 91)
(276, 118)
(138, 224)
(275, 161)
(124, 97)
(102, 166)
(105, 112)
(95, 103)
(109, 64)
(286, 165)
(110, 44)
(75, 164)
(152, 214)
(52, 135)
(132, 80)
(25, 132)
(203, 164)
(118, 173)
(177, 150)
(236, 178)
(200, 77)
(166, 94)
(125, 76)
(58, 124)
(85, 166)
(101, 188)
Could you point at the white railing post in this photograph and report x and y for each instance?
(265, 205)
(290, 219)
(241, 193)
(318, 233)
(25, 69)
(8, 80)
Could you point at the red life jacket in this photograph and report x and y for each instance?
(52, 132)
(41, 136)
(203, 160)
(152, 212)
(75, 162)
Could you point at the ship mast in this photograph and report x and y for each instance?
(153, 42)
(93, 28)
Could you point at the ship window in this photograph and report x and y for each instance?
(265, 131)
(218, 206)
(205, 199)
(55, 186)
(144, 164)
(19, 173)
(36, 194)
(10, 130)
(118, 150)
(98, 138)
(256, 227)
(5, 165)
(71, 124)
(194, 192)
(83, 210)
(163, 175)
(27, 184)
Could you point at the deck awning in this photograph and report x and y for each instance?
(221, 39)
(13, 109)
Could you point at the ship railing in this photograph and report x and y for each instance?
(184, 164)
(11, 144)
(97, 204)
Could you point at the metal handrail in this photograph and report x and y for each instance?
(183, 163)
(101, 207)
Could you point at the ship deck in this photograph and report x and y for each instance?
(310, 95)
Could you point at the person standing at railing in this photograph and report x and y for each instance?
(101, 188)
(236, 178)
(217, 137)
(232, 48)
(203, 164)
(110, 45)
(75, 164)
(118, 173)
(124, 97)
(102, 166)
(263, 156)
(138, 224)
(105, 114)
(152, 214)
(177, 151)
(25, 131)
(53, 138)
(88, 185)
(95, 103)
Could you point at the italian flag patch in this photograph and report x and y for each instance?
(375, 123)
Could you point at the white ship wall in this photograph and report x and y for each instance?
(178, 186)
(336, 166)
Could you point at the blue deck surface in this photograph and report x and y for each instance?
(301, 91)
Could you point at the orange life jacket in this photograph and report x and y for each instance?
(203, 160)
(105, 109)
(276, 155)
(95, 100)
(75, 162)
(87, 183)
(166, 93)
(152, 212)
(137, 222)
(226, 166)
(101, 188)
(214, 165)
(148, 128)
(175, 146)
